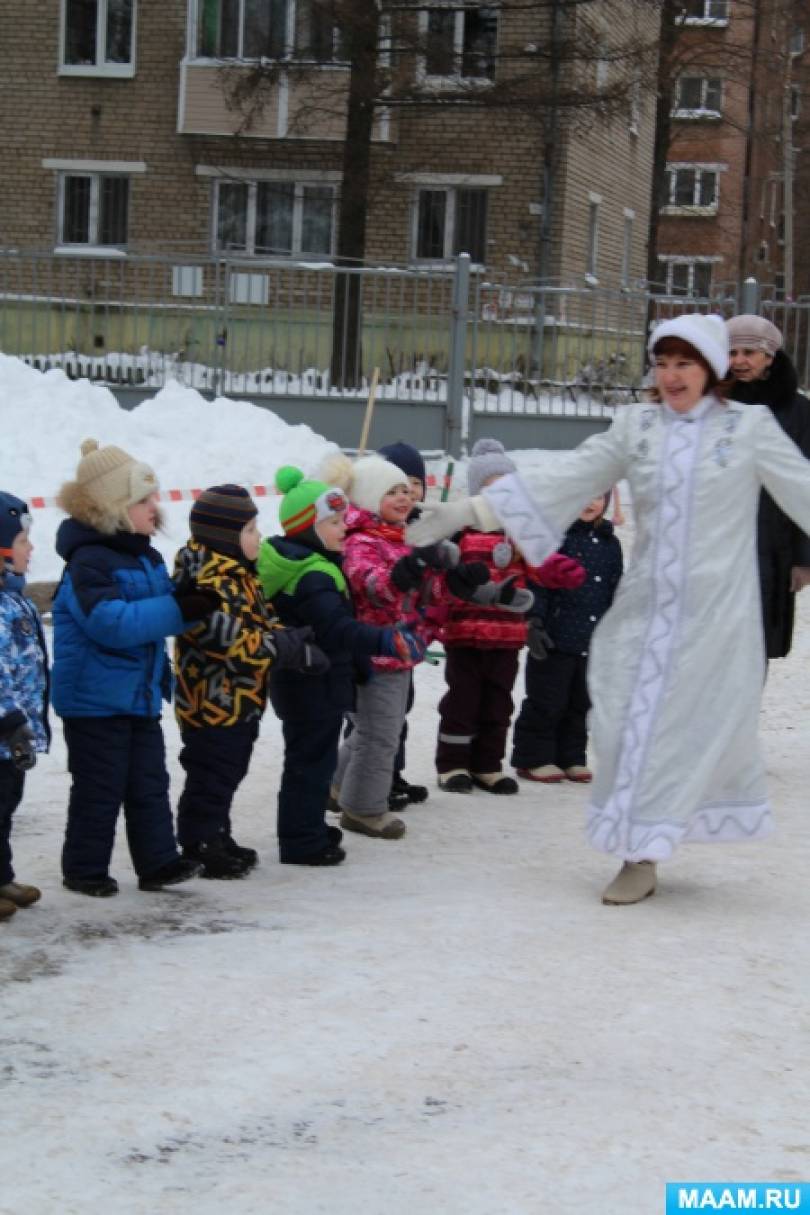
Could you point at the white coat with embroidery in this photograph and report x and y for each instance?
(677, 663)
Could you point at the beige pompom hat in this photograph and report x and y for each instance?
(108, 480)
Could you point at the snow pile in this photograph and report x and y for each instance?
(189, 441)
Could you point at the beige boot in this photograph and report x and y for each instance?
(381, 826)
(21, 896)
(546, 774)
(7, 909)
(579, 774)
(634, 881)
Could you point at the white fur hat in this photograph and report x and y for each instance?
(708, 335)
(372, 479)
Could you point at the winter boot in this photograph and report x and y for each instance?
(332, 854)
(7, 909)
(457, 781)
(546, 774)
(412, 793)
(214, 859)
(397, 802)
(634, 881)
(249, 855)
(494, 782)
(579, 774)
(23, 896)
(101, 887)
(335, 834)
(381, 826)
(171, 874)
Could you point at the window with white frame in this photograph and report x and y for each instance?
(627, 246)
(693, 188)
(714, 12)
(93, 210)
(460, 43)
(592, 250)
(698, 97)
(688, 276)
(266, 29)
(97, 38)
(274, 218)
(449, 221)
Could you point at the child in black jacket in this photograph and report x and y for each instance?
(551, 736)
(300, 572)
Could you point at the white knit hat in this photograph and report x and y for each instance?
(372, 479)
(708, 335)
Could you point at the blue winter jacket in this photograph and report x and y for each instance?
(305, 589)
(111, 613)
(570, 617)
(23, 666)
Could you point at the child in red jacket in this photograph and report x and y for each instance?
(483, 640)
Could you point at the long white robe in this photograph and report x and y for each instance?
(677, 664)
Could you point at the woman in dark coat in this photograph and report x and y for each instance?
(764, 375)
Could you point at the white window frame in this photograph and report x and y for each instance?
(92, 244)
(299, 182)
(290, 50)
(707, 18)
(694, 208)
(592, 238)
(627, 245)
(455, 78)
(670, 260)
(449, 185)
(120, 71)
(703, 111)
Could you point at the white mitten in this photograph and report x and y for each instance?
(437, 520)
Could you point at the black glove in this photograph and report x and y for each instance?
(408, 572)
(197, 604)
(538, 640)
(444, 555)
(20, 743)
(466, 578)
(296, 651)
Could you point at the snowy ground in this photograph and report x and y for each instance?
(450, 1024)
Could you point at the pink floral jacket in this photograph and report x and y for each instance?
(372, 550)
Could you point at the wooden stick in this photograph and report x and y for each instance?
(372, 393)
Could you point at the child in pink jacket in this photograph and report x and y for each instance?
(391, 583)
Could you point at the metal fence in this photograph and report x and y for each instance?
(444, 336)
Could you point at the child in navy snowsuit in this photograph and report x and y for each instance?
(114, 607)
(550, 738)
(23, 689)
(301, 573)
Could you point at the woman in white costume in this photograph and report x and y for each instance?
(677, 663)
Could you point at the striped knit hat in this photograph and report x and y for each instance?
(305, 503)
(218, 516)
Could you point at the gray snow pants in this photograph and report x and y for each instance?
(366, 760)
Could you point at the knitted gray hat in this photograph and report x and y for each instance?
(488, 459)
(753, 333)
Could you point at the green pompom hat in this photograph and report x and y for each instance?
(305, 503)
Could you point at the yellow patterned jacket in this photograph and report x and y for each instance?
(222, 665)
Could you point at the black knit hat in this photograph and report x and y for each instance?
(405, 457)
(218, 516)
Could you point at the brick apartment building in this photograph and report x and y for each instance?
(732, 71)
(119, 134)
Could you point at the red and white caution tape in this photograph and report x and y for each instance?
(190, 495)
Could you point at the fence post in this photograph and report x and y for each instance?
(750, 297)
(454, 412)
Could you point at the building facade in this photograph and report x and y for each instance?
(217, 126)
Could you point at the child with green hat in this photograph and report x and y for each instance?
(301, 573)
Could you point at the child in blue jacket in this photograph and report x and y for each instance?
(114, 607)
(23, 689)
(551, 734)
(301, 573)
